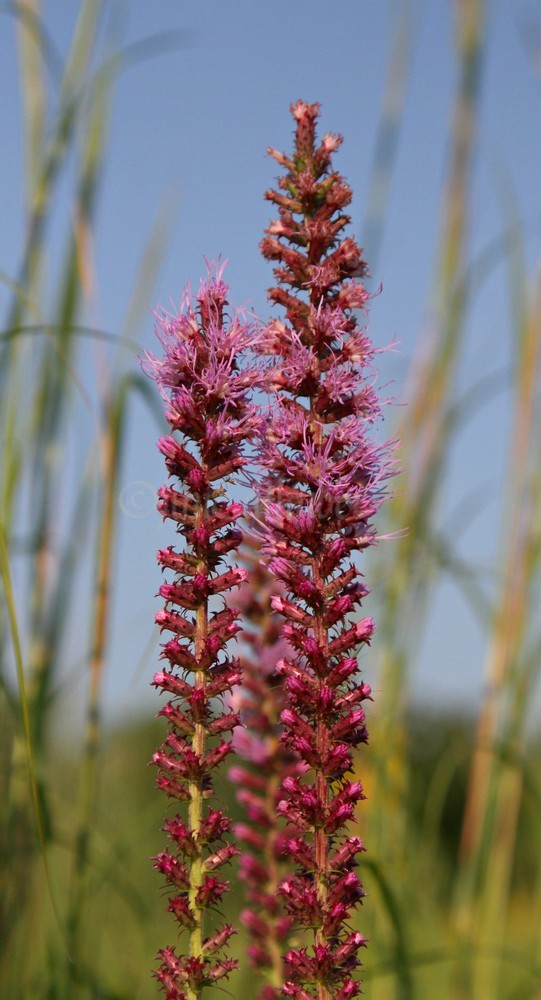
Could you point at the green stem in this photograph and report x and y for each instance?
(195, 811)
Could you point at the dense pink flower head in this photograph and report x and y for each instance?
(201, 349)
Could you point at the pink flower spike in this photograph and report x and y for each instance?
(267, 761)
(206, 388)
(323, 481)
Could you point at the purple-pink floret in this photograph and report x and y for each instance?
(207, 400)
(324, 479)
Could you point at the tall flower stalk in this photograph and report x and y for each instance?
(324, 480)
(265, 763)
(208, 408)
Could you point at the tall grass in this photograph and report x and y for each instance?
(426, 434)
(48, 547)
(453, 818)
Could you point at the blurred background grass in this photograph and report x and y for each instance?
(453, 818)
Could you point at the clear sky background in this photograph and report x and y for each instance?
(189, 132)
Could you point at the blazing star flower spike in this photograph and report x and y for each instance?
(206, 391)
(323, 480)
(266, 762)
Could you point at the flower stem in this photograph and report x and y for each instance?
(195, 811)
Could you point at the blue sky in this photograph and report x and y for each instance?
(189, 131)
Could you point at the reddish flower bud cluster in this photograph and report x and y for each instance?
(207, 398)
(324, 480)
(268, 761)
